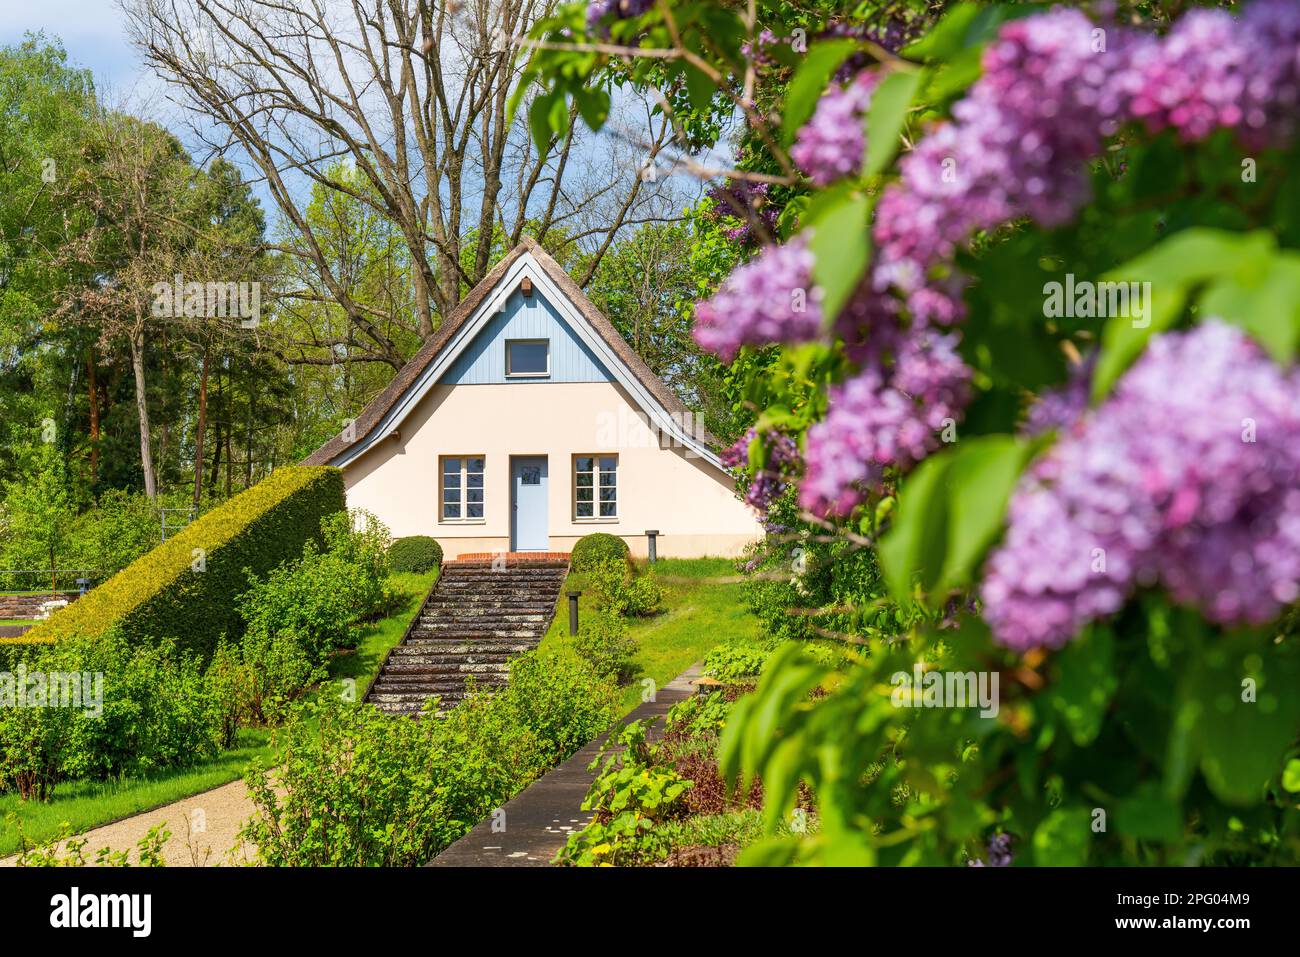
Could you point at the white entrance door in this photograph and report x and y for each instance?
(529, 528)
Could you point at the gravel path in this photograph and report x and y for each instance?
(214, 818)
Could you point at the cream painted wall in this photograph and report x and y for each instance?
(690, 502)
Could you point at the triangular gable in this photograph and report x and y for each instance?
(483, 360)
(441, 353)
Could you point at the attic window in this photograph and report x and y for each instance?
(528, 358)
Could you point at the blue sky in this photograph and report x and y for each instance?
(91, 30)
(93, 33)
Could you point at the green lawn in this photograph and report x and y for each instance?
(702, 607)
(89, 804)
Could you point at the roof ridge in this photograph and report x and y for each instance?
(409, 375)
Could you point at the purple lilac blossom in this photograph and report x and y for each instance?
(883, 417)
(832, 143)
(1188, 477)
(743, 201)
(1017, 144)
(999, 853)
(1060, 409)
(1054, 88)
(769, 299)
(767, 484)
(1214, 71)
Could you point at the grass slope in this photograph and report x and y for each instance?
(702, 607)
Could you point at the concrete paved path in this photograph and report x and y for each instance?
(539, 819)
(211, 839)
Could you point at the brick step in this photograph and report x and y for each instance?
(452, 629)
(417, 670)
(480, 573)
(413, 709)
(481, 641)
(437, 653)
(496, 592)
(461, 622)
(524, 608)
(463, 650)
(427, 689)
(474, 623)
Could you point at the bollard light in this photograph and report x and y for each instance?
(651, 535)
(573, 612)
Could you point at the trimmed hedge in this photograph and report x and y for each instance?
(418, 553)
(163, 595)
(590, 550)
(14, 649)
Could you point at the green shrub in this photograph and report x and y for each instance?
(356, 787)
(156, 711)
(619, 592)
(276, 672)
(604, 643)
(359, 538)
(20, 648)
(737, 661)
(643, 596)
(227, 683)
(418, 553)
(143, 707)
(186, 588)
(591, 550)
(317, 600)
(351, 787)
(562, 700)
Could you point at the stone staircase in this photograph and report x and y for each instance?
(474, 621)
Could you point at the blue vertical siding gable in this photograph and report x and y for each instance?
(484, 360)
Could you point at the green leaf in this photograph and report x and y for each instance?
(980, 480)
(810, 80)
(841, 246)
(1063, 838)
(1291, 776)
(699, 88)
(914, 542)
(1148, 815)
(1238, 743)
(593, 106)
(885, 118)
(964, 26)
(539, 119)
(1266, 305)
(1085, 683)
(1172, 269)
(950, 510)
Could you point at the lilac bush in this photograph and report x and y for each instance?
(1054, 89)
(1188, 476)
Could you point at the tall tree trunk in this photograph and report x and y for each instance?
(142, 409)
(200, 429)
(229, 429)
(248, 466)
(92, 390)
(216, 445)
